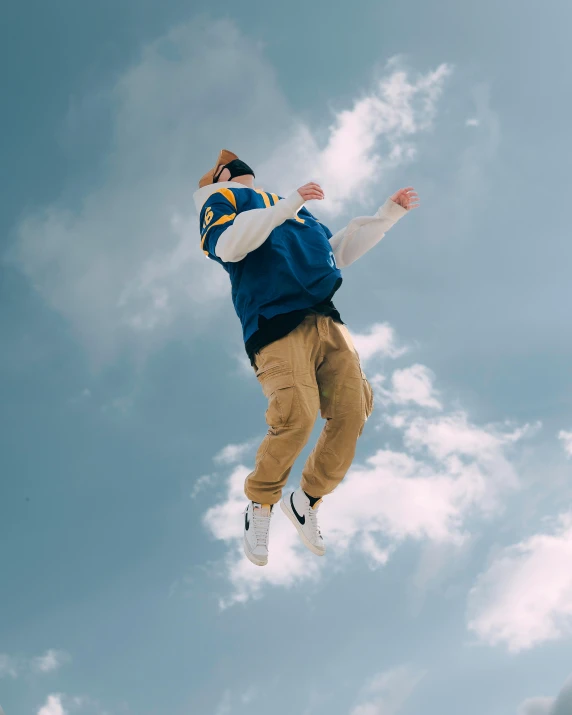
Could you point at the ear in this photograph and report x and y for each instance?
(219, 178)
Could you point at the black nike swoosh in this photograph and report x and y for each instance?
(301, 519)
(246, 522)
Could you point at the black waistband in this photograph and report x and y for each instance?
(279, 326)
(272, 329)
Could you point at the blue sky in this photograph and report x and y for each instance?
(129, 418)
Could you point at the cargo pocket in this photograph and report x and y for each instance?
(368, 392)
(277, 382)
(367, 401)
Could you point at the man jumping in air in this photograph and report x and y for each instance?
(284, 267)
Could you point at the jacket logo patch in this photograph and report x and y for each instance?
(208, 217)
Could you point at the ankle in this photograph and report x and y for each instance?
(258, 505)
(312, 499)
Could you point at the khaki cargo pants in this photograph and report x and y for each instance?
(313, 368)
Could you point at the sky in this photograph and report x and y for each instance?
(129, 414)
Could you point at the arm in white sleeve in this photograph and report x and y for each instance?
(251, 228)
(362, 233)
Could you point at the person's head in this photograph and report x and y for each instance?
(229, 168)
(235, 170)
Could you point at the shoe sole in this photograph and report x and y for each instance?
(250, 556)
(307, 543)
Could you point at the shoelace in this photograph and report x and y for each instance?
(261, 525)
(313, 514)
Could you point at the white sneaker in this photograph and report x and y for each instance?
(296, 506)
(256, 527)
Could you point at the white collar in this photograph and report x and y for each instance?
(203, 194)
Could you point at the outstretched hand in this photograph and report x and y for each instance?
(311, 192)
(407, 198)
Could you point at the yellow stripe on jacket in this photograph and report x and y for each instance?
(228, 195)
(221, 220)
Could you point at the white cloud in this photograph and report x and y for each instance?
(537, 706)
(448, 471)
(233, 453)
(472, 122)
(427, 491)
(379, 340)
(288, 565)
(53, 706)
(371, 138)
(412, 385)
(201, 484)
(13, 667)
(50, 661)
(121, 261)
(61, 704)
(566, 439)
(525, 596)
(453, 434)
(387, 693)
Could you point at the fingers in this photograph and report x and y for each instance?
(315, 190)
(407, 197)
(410, 194)
(413, 201)
(311, 191)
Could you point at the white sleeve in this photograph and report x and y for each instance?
(362, 233)
(251, 228)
